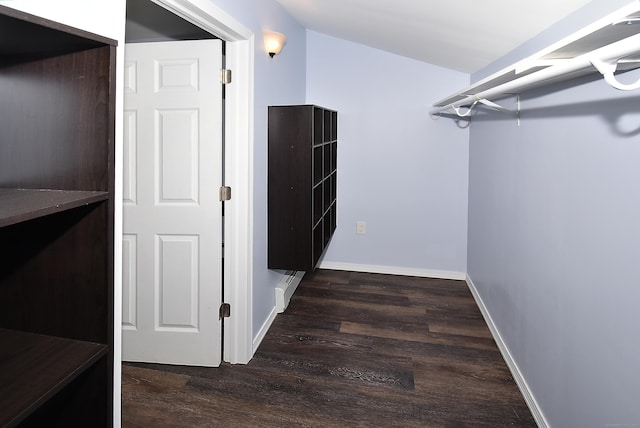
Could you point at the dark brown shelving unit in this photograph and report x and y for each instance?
(57, 101)
(302, 185)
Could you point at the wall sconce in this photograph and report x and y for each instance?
(273, 42)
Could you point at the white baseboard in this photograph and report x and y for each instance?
(257, 340)
(393, 270)
(508, 358)
(285, 289)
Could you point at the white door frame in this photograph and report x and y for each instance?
(238, 260)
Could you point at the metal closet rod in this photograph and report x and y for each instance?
(604, 60)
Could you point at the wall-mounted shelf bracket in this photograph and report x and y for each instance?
(505, 110)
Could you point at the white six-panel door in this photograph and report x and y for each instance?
(172, 243)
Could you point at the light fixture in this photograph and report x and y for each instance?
(273, 42)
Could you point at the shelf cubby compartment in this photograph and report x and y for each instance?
(334, 156)
(328, 196)
(333, 218)
(46, 364)
(318, 207)
(318, 173)
(334, 126)
(327, 159)
(318, 129)
(327, 126)
(334, 187)
(318, 240)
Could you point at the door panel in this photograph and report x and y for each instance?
(172, 244)
(177, 286)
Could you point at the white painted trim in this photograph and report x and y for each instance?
(394, 270)
(238, 329)
(264, 329)
(238, 261)
(209, 17)
(285, 289)
(508, 358)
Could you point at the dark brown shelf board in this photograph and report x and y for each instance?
(35, 367)
(19, 205)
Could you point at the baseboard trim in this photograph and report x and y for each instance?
(285, 289)
(394, 270)
(257, 340)
(508, 358)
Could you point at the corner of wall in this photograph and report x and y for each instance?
(264, 329)
(508, 357)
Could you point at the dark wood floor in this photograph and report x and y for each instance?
(351, 350)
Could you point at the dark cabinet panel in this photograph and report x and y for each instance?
(302, 183)
(57, 114)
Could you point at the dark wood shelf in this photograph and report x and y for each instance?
(57, 186)
(19, 205)
(35, 367)
(302, 183)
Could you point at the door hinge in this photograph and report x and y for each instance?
(225, 76)
(225, 193)
(225, 310)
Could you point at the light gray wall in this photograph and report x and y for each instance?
(278, 80)
(403, 173)
(554, 246)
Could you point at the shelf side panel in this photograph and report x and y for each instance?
(290, 176)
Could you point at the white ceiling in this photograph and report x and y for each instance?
(463, 35)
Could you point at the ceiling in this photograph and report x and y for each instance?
(464, 35)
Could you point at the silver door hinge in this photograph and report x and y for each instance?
(225, 76)
(225, 193)
(225, 310)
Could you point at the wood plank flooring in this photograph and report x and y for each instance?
(351, 350)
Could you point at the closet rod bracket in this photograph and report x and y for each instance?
(464, 112)
(608, 69)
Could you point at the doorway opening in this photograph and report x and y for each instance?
(159, 20)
